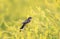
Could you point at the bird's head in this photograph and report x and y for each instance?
(30, 18)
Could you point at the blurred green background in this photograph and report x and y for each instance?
(45, 23)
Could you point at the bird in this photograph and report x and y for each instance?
(26, 22)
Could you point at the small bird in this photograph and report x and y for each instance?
(26, 22)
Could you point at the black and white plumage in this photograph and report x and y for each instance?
(26, 22)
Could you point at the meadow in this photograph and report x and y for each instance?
(45, 23)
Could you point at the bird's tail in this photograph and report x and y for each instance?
(22, 26)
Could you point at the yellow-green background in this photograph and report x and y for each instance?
(45, 21)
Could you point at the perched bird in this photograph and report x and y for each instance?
(25, 22)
